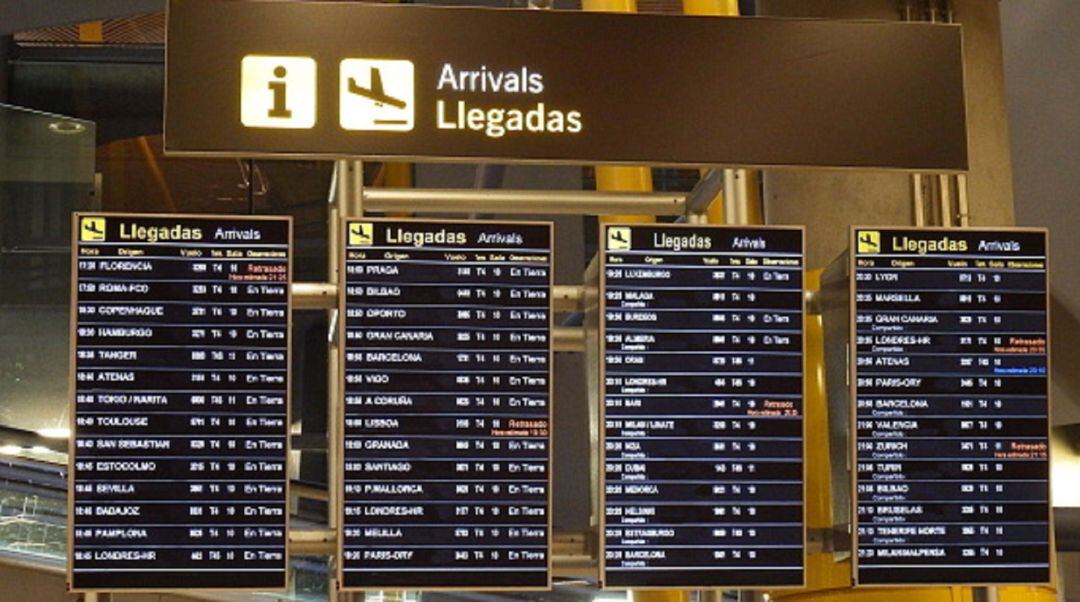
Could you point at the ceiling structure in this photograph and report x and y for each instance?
(24, 15)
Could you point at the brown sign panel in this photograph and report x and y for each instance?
(333, 79)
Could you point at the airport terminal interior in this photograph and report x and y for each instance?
(562, 300)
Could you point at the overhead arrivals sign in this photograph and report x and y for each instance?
(257, 78)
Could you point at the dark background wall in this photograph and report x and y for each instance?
(1041, 40)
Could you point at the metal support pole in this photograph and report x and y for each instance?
(567, 298)
(963, 214)
(711, 595)
(625, 179)
(729, 196)
(345, 201)
(353, 201)
(946, 200)
(907, 11)
(917, 199)
(312, 542)
(571, 555)
(567, 338)
(591, 348)
(339, 188)
(314, 295)
(933, 200)
(704, 193)
(544, 202)
(488, 176)
(984, 594)
(308, 491)
(736, 197)
(396, 175)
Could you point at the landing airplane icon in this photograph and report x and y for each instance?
(376, 95)
(618, 239)
(868, 240)
(375, 92)
(361, 233)
(92, 229)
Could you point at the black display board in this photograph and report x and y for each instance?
(951, 414)
(180, 386)
(446, 328)
(702, 333)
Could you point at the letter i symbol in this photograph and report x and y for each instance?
(277, 91)
(278, 88)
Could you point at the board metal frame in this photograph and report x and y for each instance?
(338, 445)
(73, 326)
(853, 403)
(602, 368)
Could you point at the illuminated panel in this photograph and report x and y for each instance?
(361, 79)
(180, 382)
(702, 331)
(951, 414)
(446, 328)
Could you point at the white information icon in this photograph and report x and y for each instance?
(377, 95)
(277, 92)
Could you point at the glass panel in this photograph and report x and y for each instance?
(46, 172)
(33, 504)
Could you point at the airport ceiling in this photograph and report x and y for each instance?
(24, 15)
(142, 21)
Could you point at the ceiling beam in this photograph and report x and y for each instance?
(24, 15)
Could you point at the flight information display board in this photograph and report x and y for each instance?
(446, 328)
(180, 385)
(951, 416)
(702, 381)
